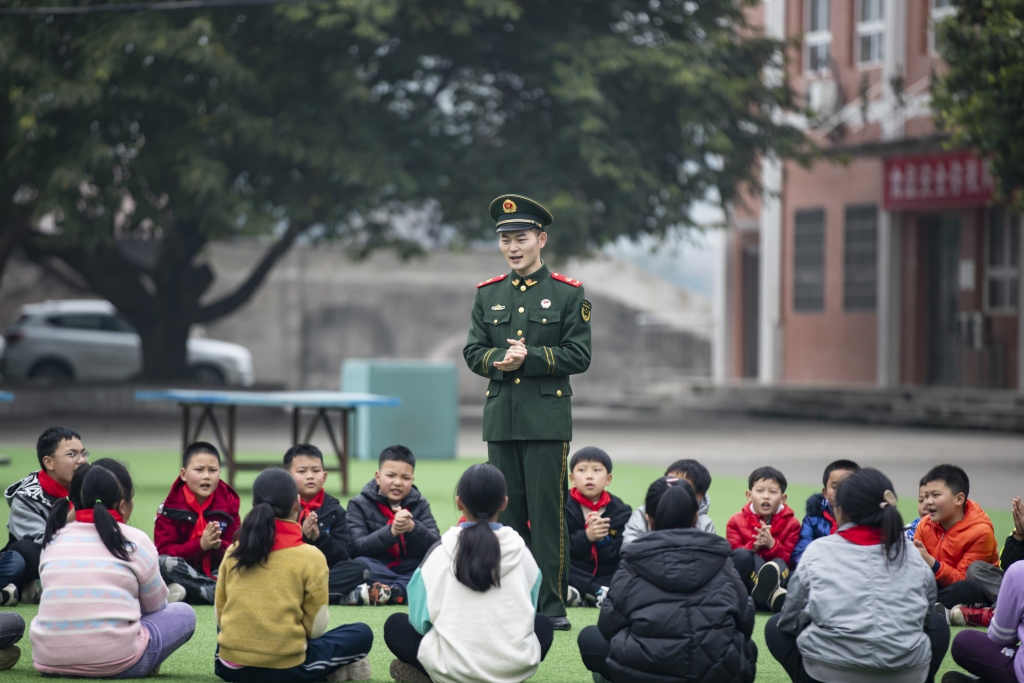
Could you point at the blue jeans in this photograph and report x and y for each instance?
(324, 655)
(12, 568)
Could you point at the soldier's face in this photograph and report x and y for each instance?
(522, 249)
(590, 479)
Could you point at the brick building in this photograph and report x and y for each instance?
(886, 263)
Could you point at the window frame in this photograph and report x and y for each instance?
(1007, 273)
(867, 28)
(817, 38)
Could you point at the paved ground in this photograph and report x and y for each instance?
(728, 445)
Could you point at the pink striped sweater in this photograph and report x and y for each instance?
(89, 611)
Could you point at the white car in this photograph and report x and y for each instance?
(88, 341)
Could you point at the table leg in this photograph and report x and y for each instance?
(344, 451)
(231, 445)
(186, 411)
(295, 425)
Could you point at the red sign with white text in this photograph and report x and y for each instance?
(936, 181)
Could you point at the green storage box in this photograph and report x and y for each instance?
(427, 422)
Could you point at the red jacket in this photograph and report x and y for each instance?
(742, 530)
(967, 541)
(175, 521)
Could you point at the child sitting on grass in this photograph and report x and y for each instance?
(699, 478)
(60, 452)
(763, 535)
(595, 520)
(103, 611)
(271, 603)
(676, 609)
(955, 534)
(390, 526)
(911, 528)
(324, 525)
(820, 519)
(194, 525)
(860, 607)
(473, 602)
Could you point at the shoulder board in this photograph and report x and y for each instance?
(566, 279)
(492, 281)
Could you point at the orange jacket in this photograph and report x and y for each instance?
(970, 540)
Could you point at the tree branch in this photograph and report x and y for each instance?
(233, 301)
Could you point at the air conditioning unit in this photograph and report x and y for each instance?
(821, 97)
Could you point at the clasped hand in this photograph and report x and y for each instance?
(514, 357)
(211, 537)
(764, 539)
(403, 523)
(597, 527)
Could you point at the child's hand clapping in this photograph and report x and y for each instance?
(403, 523)
(764, 540)
(597, 527)
(1018, 519)
(210, 539)
(310, 529)
(928, 559)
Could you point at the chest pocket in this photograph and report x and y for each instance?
(545, 328)
(495, 320)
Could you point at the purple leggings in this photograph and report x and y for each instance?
(169, 629)
(976, 654)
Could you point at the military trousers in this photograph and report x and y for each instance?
(537, 477)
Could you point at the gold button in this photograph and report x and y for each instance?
(523, 288)
(521, 309)
(488, 393)
(558, 393)
(543, 320)
(519, 333)
(495, 321)
(517, 380)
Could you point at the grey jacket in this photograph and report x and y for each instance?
(852, 611)
(30, 506)
(637, 525)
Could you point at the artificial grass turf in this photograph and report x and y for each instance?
(154, 471)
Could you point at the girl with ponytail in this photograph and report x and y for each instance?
(103, 612)
(676, 606)
(480, 579)
(863, 600)
(271, 600)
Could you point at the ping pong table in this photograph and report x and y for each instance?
(323, 403)
(6, 397)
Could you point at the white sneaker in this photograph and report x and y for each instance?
(358, 670)
(9, 595)
(573, 598)
(30, 594)
(175, 593)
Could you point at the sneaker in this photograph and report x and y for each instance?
(175, 593)
(31, 592)
(407, 673)
(358, 670)
(767, 581)
(957, 677)
(9, 595)
(379, 594)
(962, 615)
(573, 599)
(9, 656)
(599, 598)
(360, 595)
(778, 600)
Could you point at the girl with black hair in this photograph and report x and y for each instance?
(271, 600)
(473, 601)
(676, 609)
(103, 611)
(862, 605)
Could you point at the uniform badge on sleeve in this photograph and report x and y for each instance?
(586, 311)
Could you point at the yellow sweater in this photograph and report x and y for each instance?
(267, 613)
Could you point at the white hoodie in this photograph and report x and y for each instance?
(474, 636)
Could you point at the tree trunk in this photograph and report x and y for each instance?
(164, 345)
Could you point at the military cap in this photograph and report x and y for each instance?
(513, 212)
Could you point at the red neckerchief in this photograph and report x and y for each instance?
(863, 535)
(831, 520)
(51, 487)
(287, 534)
(89, 516)
(398, 549)
(200, 527)
(310, 506)
(602, 501)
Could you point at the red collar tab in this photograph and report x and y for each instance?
(492, 281)
(311, 505)
(566, 279)
(287, 534)
(585, 502)
(863, 535)
(50, 485)
(88, 516)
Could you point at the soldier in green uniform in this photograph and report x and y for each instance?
(530, 330)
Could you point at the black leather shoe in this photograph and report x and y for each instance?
(561, 624)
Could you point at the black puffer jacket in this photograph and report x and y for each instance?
(677, 611)
(370, 535)
(333, 538)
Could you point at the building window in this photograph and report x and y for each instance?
(818, 36)
(870, 31)
(940, 9)
(1002, 255)
(809, 261)
(860, 258)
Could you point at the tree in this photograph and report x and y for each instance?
(143, 136)
(980, 97)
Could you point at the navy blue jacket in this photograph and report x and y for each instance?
(816, 525)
